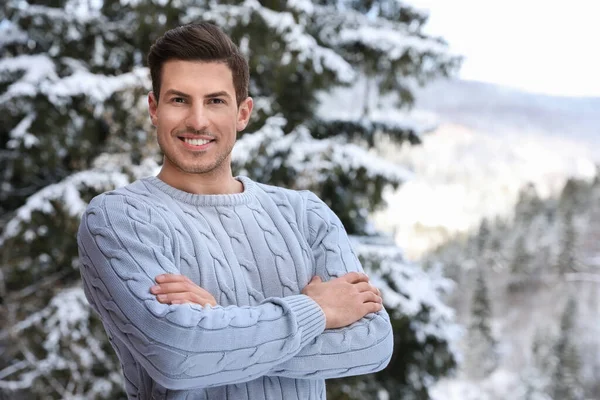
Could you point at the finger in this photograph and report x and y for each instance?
(368, 308)
(355, 277)
(171, 287)
(366, 287)
(316, 279)
(181, 298)
(370, 297)
(179, 287)
(164, 278)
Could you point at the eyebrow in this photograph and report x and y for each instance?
(176, 93)
(222, 93)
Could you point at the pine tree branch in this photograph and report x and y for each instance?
(13, 368)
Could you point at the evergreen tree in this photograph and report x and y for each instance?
(567, 256)
(565, 378)
(483, 237)
(73, 124)
(482, 355)
(521, 256)
(536, 376)
(528, 205)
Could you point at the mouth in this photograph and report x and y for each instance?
(196, 143)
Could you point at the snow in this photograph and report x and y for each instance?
(105, 175)
(40, 76)
(297, 40)
(69, 310)
(66, 192)
(95, 86)
(390, 41)
(20, 135)
(474, 176)
(75, 11)
(310, 157)
(415, 289)
(10, 33)
(500, 385)
(343, 103)
(305, 6)
(69, 344)
(37, 68)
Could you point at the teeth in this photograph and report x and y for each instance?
(196, 142)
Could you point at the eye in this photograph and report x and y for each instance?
(177, 100)
(217, 101)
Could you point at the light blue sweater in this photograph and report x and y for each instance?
(254, 251)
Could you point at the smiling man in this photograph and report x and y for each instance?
(212, 286)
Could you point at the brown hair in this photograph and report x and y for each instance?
(199, 42)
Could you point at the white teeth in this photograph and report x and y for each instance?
(196, 142)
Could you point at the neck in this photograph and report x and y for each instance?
(213, 182)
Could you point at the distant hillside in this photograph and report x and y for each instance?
(496, 109)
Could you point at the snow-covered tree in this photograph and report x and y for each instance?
(567, 256)
(73, 124)
(536, 375)
(521, 256)
(566, 382)
(533, 248)
(482, 352)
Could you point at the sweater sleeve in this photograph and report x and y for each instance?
(123, 245)
(363, 347)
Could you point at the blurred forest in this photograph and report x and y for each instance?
(527, 291)
(73, 123)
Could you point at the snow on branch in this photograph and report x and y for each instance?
(74, 11)
(96, 87)
(70, 346)
(388, 37)
(20, 134)
(389, 41)
(401, 125)
(11, 33)
(409, 289)
(311, 158)
(298, 41)
(66, 192)
(40, 77)
(109, 171)
(36, 68)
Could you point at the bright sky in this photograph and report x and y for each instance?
(542, 46)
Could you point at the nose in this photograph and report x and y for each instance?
(197, 119)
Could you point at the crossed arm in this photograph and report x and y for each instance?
(281, 336)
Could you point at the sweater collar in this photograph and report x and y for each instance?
(207, 199)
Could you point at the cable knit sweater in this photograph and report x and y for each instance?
(254, 251)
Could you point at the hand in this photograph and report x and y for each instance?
(344, 300)
(179, 289)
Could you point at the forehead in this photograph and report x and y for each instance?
(196, 77)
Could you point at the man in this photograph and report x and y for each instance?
(215, 287)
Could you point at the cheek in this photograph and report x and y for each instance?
(169, 120)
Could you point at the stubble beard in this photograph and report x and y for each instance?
(193, 167)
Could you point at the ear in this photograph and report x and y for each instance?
(244, 112)
(152, 108)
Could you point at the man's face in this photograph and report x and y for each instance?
(196, 116)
